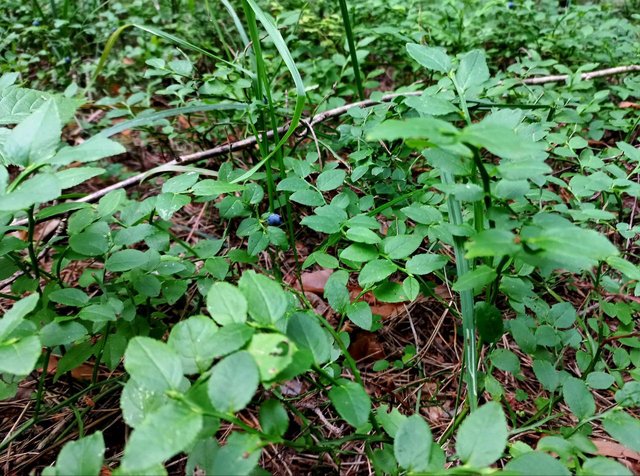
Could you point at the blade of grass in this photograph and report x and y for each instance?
(346, 21)
(281, 46)
(263, 82)
(151, 118)
(164, 35)
(466, 301)
(236, 22)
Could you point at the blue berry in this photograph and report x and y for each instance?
(36, 23)
(510, 5)
(67, 59)
(274, 220)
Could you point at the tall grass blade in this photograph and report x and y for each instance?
(346, 20)
(151, 118)
(164, 35)
(269, 25)
(466, 302)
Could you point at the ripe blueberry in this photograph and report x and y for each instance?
(274, 220)
(36, 23)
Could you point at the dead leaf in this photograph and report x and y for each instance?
(366, 347)
(315, 281)
(614, 450)
(628, 104)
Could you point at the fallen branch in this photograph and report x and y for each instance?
(584, 76)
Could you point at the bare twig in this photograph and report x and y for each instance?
(584, 76)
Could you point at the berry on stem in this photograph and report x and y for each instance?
(274, 220)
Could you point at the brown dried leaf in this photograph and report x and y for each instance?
(614, 450)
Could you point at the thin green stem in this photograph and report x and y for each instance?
(466, 301)
(32, 251)
(43, 376)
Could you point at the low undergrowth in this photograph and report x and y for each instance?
(442, 279)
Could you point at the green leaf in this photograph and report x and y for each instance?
(69, 297)
(476, 278)
(360, 314)
(472, 70)
(74, 357)
(412, 444)
(482, 436)
(233, 382)
(272, 352)
(623, 428)
(351, 401)
(83, 457)
(125, 260)
(629, 394)
(330, 180)
(391, 421)
(89, 244)
(411, 288)
(308, 197)
(546, 374)
(375, 271)
(432, 58)
(230, 338)
(578, 397)
(401, 246)
(504, 142)
(267, 302)
(557, 243)
(242, 453)
(544, 464)
(14, 316)
(627, 268)
(97, 313)
(226, 304)
(213, 188)
(153, 364)
(62, 333)
(17, 103)
(151, 444)
(34, 139)
(75, 176)
(491, 242)
(489, 322)
(169, 203)
(435, 130)
(137, 401)
(19, 356)
(307, 333)
(92, 149)
(506, 360)
(360, 234)
(600, 380)
(336, 292)
(39, 189)
(328, 219)
(180, 183)
(192, 340)
(425, 263)
(274, 419)
(600, 466)
(359, 253)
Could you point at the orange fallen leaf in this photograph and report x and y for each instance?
(614, 450)
(628, 104)
(315, 281)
